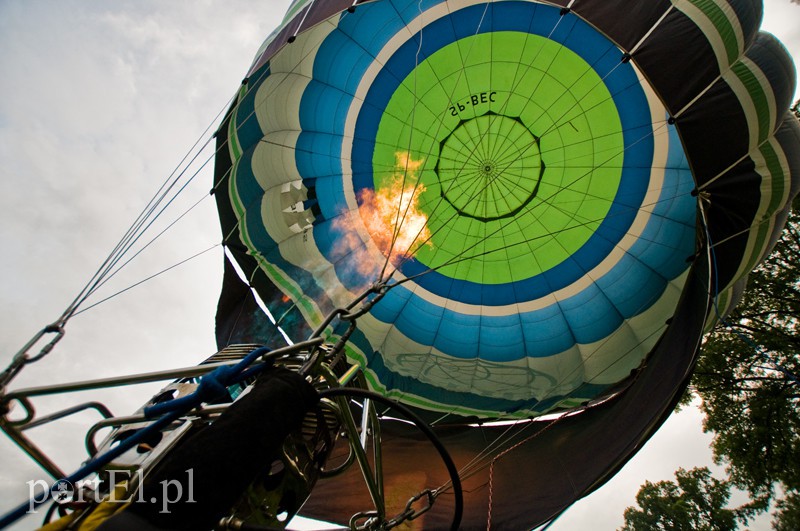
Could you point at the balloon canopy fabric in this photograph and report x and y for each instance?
(549, 201)
(523, 177)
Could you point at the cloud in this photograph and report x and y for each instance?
(100, 102)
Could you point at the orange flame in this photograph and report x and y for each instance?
(392, 214)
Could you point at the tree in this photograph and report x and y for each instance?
(788, 516)
(747, 376)
(696, 502)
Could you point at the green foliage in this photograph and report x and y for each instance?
(788, 516)
(696, 502)
(748, 378)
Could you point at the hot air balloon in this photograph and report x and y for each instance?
(494, 232)
(544, 205)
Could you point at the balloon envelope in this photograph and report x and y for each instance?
(541, 188)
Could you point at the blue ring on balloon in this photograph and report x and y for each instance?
(576, 35)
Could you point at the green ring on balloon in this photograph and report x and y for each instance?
(535, 84)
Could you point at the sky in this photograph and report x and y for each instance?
(100, 101)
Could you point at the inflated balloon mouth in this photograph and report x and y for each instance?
(489, 167)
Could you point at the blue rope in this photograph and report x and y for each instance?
(91, 466)
(212, 385)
